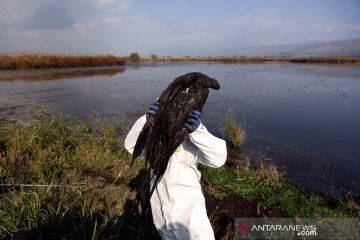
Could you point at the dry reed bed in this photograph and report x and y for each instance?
(49, 60)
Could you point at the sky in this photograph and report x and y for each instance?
(185, 27)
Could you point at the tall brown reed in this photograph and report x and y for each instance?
(52, 60)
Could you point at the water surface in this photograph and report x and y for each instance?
(305, 118)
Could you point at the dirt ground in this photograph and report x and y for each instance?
(223, 212)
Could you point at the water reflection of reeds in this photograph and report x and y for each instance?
(54, 75)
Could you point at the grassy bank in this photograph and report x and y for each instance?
(49, 60)
(279, 194)
(87, 161)
(92, 190)
(257, 59)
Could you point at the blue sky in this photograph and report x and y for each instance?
(171, 27)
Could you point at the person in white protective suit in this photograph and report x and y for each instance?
(178, 204)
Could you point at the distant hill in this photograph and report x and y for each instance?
(349, 47)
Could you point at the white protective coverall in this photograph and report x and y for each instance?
(178, 204)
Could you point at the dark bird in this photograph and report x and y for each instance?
(165, 131)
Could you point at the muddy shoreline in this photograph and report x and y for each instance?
(256, 59)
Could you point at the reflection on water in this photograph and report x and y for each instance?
(57, 74)
(303, 117)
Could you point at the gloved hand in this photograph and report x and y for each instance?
(153, 108)
(193, 122)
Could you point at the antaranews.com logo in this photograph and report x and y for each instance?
(296, 228)
(302, 230)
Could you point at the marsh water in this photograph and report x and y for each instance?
(303, 118)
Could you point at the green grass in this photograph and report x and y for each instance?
(91, 166)
(47, 150)
(94, 201)
(38, 214)
(282, 195)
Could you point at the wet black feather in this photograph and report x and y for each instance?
(162, 134)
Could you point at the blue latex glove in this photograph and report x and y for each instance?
(193, 122)
(153, 108)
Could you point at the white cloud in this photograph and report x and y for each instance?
(84, 26)
(335, 27)
(111, 19)
(14, 10)
(351, 27)
(114, 5)
(321, 28)
(107, 26)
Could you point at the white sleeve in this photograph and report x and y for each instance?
(134, 133)
(212, 150)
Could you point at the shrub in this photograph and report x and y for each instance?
(234, 132)
(135, 57)
(154, 57)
